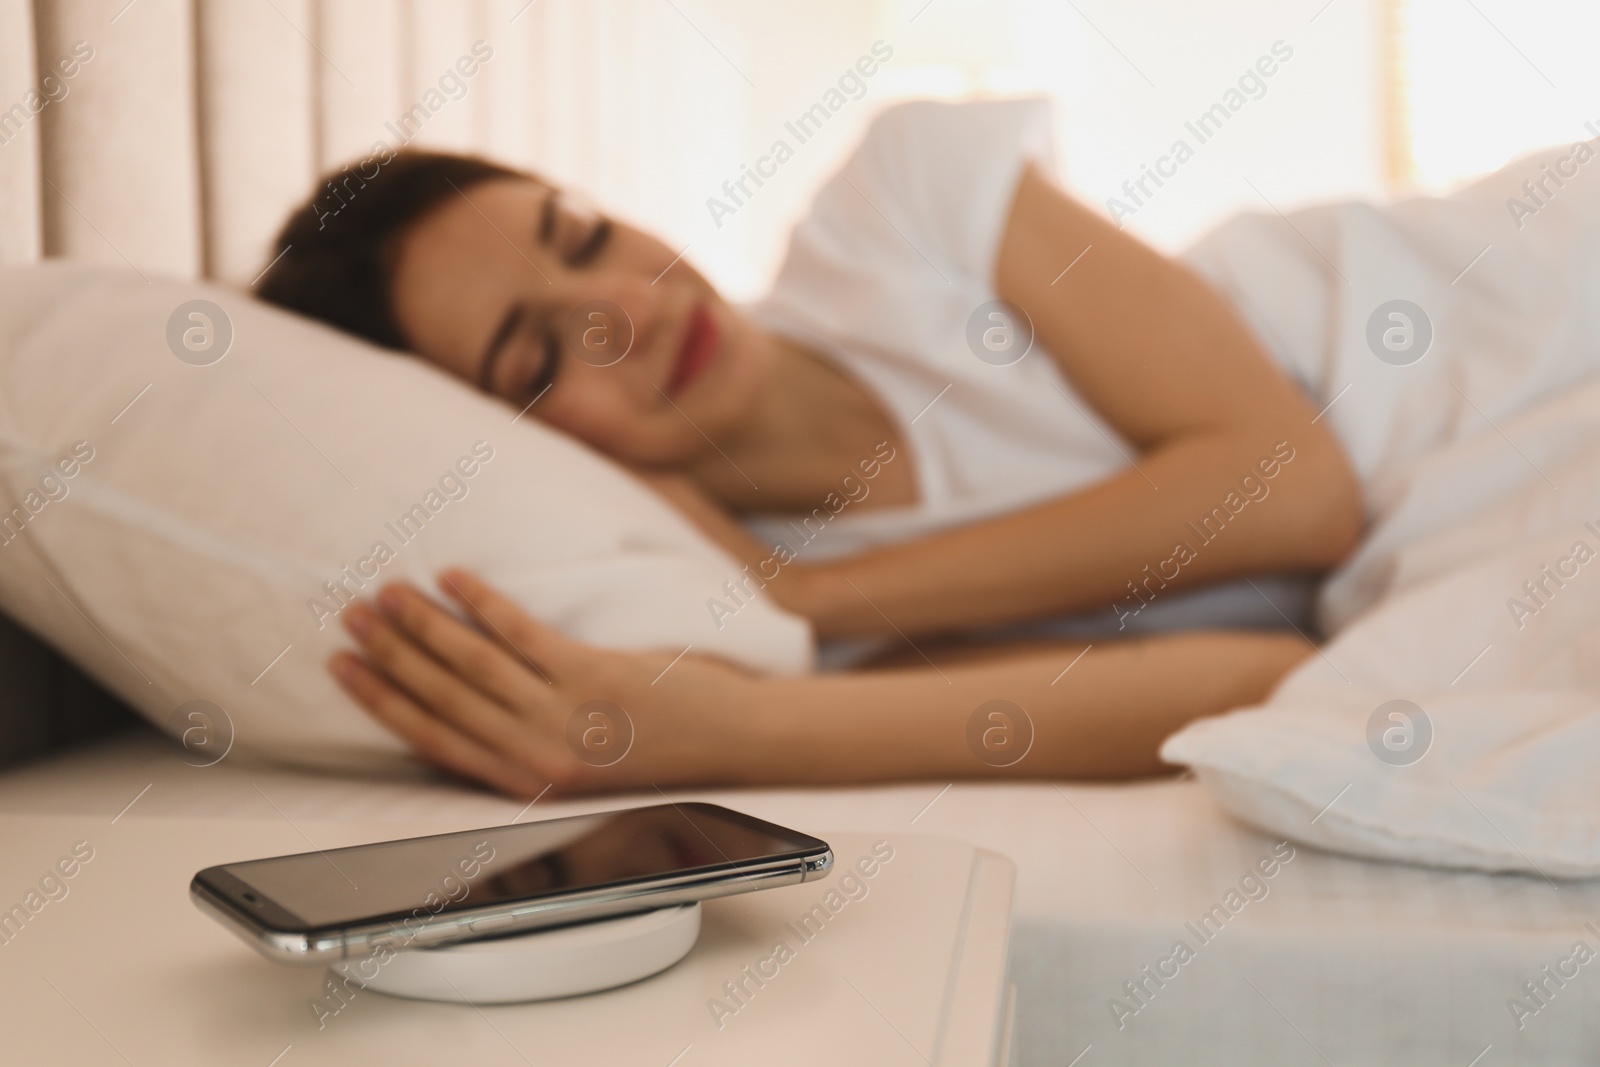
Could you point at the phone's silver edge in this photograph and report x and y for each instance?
(276, 945)
(364, 940)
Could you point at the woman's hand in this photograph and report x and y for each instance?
(517, 705)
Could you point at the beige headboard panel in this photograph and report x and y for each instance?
(180, 144)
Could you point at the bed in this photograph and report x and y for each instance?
(1328, 959)
(1340, 960)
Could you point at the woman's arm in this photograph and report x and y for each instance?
(512, 708)
(1162, 358)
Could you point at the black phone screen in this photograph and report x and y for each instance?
(453, 872)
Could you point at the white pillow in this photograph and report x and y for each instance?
(1491, 766)
(1475, 599)
(179, 517)
(1507, 781)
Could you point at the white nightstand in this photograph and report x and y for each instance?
(123, 968)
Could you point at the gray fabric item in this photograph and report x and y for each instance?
(46, 703)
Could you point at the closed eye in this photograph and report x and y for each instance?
(591, 247)
(545, 377)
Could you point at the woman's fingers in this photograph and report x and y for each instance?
(434, 739)
(438, 686)
(505, 677)
(520, 634)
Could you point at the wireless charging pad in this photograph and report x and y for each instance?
(562, 962)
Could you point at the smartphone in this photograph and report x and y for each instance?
(345, 903)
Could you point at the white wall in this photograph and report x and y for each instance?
(1126, 77)
(1493, 78)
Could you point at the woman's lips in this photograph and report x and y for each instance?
(699, 347)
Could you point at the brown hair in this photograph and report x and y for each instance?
(337, 249)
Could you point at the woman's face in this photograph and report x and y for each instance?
(520, 290)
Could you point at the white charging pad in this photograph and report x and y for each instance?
(541, 965)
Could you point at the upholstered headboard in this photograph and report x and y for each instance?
(187, 128)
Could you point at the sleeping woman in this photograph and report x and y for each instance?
(1044, 418)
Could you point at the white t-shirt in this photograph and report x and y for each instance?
(883, 276)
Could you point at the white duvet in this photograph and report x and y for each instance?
(1475, 600)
